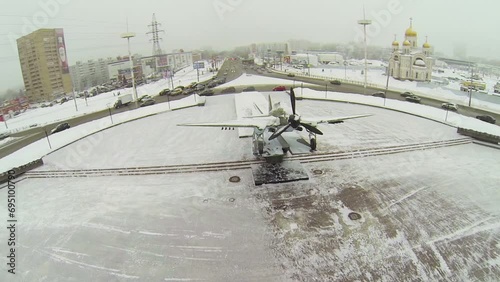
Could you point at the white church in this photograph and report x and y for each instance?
(409, 62)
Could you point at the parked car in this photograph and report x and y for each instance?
(335, 82)
(60, 127)
(207, 92)
(200, 87)
(290, 75)
(165, 91)
(212, 84)
(192, 85)
(147, 102)
(449, 106)
(228, 90)
(188, 91)
(249, 89)
(144, 97)
(487, 118)
(279, 88)
(379, 94)
(406, 94)
(177, 91)
(4, 135)
(413, 99)
(63, 100)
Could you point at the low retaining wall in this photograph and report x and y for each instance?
(486, 137)
(4, 177)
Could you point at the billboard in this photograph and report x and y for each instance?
(199, 65)
(61, 50)
(162, 61)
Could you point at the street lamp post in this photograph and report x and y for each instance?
(364, 22)
(109, 109)
(129, 35)
(345, 70)
(471, 84)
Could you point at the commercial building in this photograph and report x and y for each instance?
(44, 64)
(161, 63)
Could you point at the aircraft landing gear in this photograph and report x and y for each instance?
(312, 141)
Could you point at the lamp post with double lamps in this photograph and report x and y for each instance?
(129, 35)
(364, 22)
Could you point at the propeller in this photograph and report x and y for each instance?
(294, 121)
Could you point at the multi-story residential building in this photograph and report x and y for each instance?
(91, 73)
(44, 64)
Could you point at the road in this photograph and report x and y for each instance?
(231, 69)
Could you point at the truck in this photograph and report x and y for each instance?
(123, 100)
(475, 85)
(497, 88)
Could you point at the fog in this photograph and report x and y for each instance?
(92, 28)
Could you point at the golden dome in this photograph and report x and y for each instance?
(411, 32)
(406, 43)
(395, 43)
(426, 45)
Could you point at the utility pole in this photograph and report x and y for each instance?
(471, 83)
(74, 99)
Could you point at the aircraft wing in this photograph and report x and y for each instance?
(314, 121)
(259, 123)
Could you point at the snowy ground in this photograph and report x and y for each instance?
(426, 215)
(41, 116)
(376, 77)
(41, 148)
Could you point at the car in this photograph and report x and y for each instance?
(147, 102)
(228, 90)
(43, 106)
(165, 91)
(279, 88)
(487, 118)
(249, 89)
(212, 84)
(4, 135)
(143, 97)
(449, 106)
(290, 75)
(413, 99)
(406, 94)
(180, 87)
(207, 92)
(335, 82)
(192, 85)
(379, 94)
(177, 91)
(188, 91)
(200, 87)
(63, 100)
(60, 127)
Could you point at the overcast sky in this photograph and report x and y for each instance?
(92, 28)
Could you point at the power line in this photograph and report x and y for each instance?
(66, 19)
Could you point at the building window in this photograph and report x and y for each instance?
(416, 75)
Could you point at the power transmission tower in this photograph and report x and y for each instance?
(156, 38)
